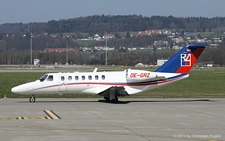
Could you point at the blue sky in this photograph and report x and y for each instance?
(15, 11)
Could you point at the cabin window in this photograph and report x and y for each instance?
(96, 77)
(69, 78)
(62, 78)
(90, 77)
(76, 78)
(103, 77)
(50, 78)
(83, 77)
(42, 78)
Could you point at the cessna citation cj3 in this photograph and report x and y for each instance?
(110, 85)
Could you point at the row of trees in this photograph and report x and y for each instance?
(120, 23)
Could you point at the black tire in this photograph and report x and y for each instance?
(114, 100)
(107, 99)
(32, 99)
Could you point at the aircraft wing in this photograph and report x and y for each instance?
(120, 91)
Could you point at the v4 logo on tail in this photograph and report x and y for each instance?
(112, 84)
(185, 60)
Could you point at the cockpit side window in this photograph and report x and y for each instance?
(43, 78)
(50, 78)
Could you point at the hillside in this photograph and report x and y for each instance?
(134, 39)
(118, 23)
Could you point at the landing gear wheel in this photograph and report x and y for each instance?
(114, 100)
(32, 99)
(107, 99)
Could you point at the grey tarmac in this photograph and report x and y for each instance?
(96, 120)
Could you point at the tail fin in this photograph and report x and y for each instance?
(184, 60)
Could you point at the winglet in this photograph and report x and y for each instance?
(184, 60)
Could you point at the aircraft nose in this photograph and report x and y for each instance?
(16, 90)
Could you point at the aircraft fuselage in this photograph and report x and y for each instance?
(133, 81)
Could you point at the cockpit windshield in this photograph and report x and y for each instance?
(43, 77)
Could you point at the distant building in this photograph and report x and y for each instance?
(160, 62)
(214, 45)
(58, 49)
(141, 65)
(150, 32)
(97, 37)
(161, 43)
(108, 36)
(36, 62)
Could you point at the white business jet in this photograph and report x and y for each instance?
(110, 85)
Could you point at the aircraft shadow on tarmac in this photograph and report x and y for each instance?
(151, 101)
(126, 101)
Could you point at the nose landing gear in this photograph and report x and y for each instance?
(32, 99)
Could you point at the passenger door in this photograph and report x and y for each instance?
(62, 83)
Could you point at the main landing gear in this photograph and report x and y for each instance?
(115, 100)
(112, 96)
(32, 99)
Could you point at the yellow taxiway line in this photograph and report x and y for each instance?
(50, 115)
